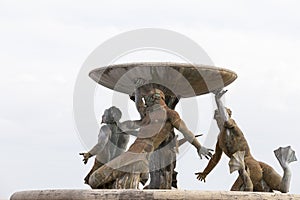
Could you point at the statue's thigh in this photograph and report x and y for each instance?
(271, 177)
(256, 173)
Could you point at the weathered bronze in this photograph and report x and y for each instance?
(162, 161)
(112, 141)
(253, 175)
(156, 88)
(176, 80)
(156, 127)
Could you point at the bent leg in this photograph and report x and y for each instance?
(237, 162)
(237, 186)
(255, 171)
(249, 179)
(96, 166)
(271, 177)
(285, 156)
(133, 161)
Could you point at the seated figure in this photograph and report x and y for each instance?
(112, 141)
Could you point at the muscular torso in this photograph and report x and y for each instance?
(234, 141)
(111, 143)
(118, 143)
(159, 127)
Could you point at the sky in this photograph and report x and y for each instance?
(45, 43)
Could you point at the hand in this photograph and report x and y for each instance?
(201, 176)
(86, 157)
(202, 151)
(219, 93)
(139, 82)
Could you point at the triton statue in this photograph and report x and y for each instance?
(169, 82)
(253, 175)
(112, 141)
(162, 161)
(159, 120)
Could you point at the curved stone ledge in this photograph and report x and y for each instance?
(145, 194)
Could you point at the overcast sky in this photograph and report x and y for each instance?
(45, 43)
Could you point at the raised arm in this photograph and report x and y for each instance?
(139, 104)
(184, 140)
(211, 164)
(221, 107)
(138, 96)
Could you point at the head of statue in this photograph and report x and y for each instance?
(155, 96)
(229, 112)
(217, 115)
(111, 115)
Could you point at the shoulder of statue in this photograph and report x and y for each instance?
(230, 123)
(106, 129)
(173, 115)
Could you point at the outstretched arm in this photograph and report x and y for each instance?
(183, 140)
(211, 164)
(102, 140)
(190, 137)
(129, 125)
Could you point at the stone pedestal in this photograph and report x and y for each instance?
(146, 194)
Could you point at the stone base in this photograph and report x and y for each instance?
(146, 194)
